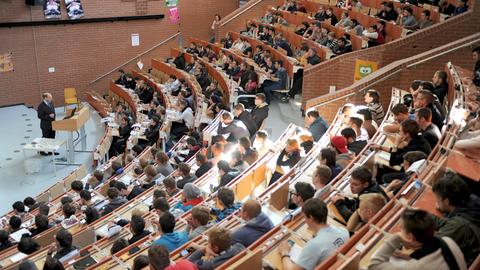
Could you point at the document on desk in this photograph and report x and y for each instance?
(18, 257)
(295, 252)
(18, 234)
(383, 155)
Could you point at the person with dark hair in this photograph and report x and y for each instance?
(426, 99)
(199, 221)
(115, 201)
(316, 124)
(226, 200)
(152, 132)
(235, 129)
(65, 251)
(461, 7)
(352, 143)
(387, 12)
(417, 233)
(4, 240)
(246, 118)
(118, 245)
(328, 157)
(41, 224)
(361, 182)
(27, 265)
(159, 259)
(30, 203)
(91, 215)
(46, 114)
(140, 262)
(169, 238)
(400, 114)
(19, 208)
(462, 214)
(368, 124)
(85, 198)
(260, 111)
(220, 249)
(372, 98)
(226, 173)
(425, 20)
(52, 264)
(137, 227)
(27, 245)
(430, 131)
(184, 172)
(160, 206)
(321, 179)
(299, 195)
(14, 224)
(170, 186)
(356, 122)
(76, 186)
(43, 209)
(476, 68)
(326, 240)
(278, 82)
(441, 85)
(204, 165)
(412, 161)
(409, 130)
(66, 200)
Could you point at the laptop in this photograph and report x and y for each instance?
(72, 113)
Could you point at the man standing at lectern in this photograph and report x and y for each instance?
(46, 113)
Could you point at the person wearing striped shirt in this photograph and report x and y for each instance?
(372, 98)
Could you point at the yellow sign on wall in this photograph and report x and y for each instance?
(364, 68)
(6, 63)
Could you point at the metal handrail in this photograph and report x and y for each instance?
(136, 57)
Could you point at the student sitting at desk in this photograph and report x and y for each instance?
(226, 174)
(64, 250)
(327, 238)
(41, 224)
(19, 209)
(400, 114)
(163, 165)
(30, 203)
(234, 129)
(352, 143)
(226, 200)
(320, 180)
(219, 250)
(370, 204)
(360, 183)
(288, 157)
(301, 193)
(27, 245)
(170, 186)
(417, 233)
(328, 157)
(169, 238)
(137, 228)
(198, 221)
(262, 143)
(411, 164)
(14, 224)
(409, 130)
(257, 223)
(184, 172)
(4, 240)
(204, 165)
(91, 215)
(159, 259)
(115, 201)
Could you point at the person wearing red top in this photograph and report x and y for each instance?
(159, 259)
(381, 32)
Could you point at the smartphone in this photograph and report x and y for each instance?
(290, 242)
(184, 253)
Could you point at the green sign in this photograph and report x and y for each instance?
(171, 3)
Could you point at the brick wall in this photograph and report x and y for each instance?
(397, 74)
(339, 71)
(82, 52)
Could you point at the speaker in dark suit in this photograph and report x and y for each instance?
(46, 113)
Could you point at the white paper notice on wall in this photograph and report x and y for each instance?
(140, 64)
(135, 40)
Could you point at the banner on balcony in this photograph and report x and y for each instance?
(174, 16)
(6, 62)
(74, 9)
(51, 9)
(364, 68)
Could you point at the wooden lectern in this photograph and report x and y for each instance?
(73, 124)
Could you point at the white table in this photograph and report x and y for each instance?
(44, 145)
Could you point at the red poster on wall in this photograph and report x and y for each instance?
(74, 9)
(51, 9)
